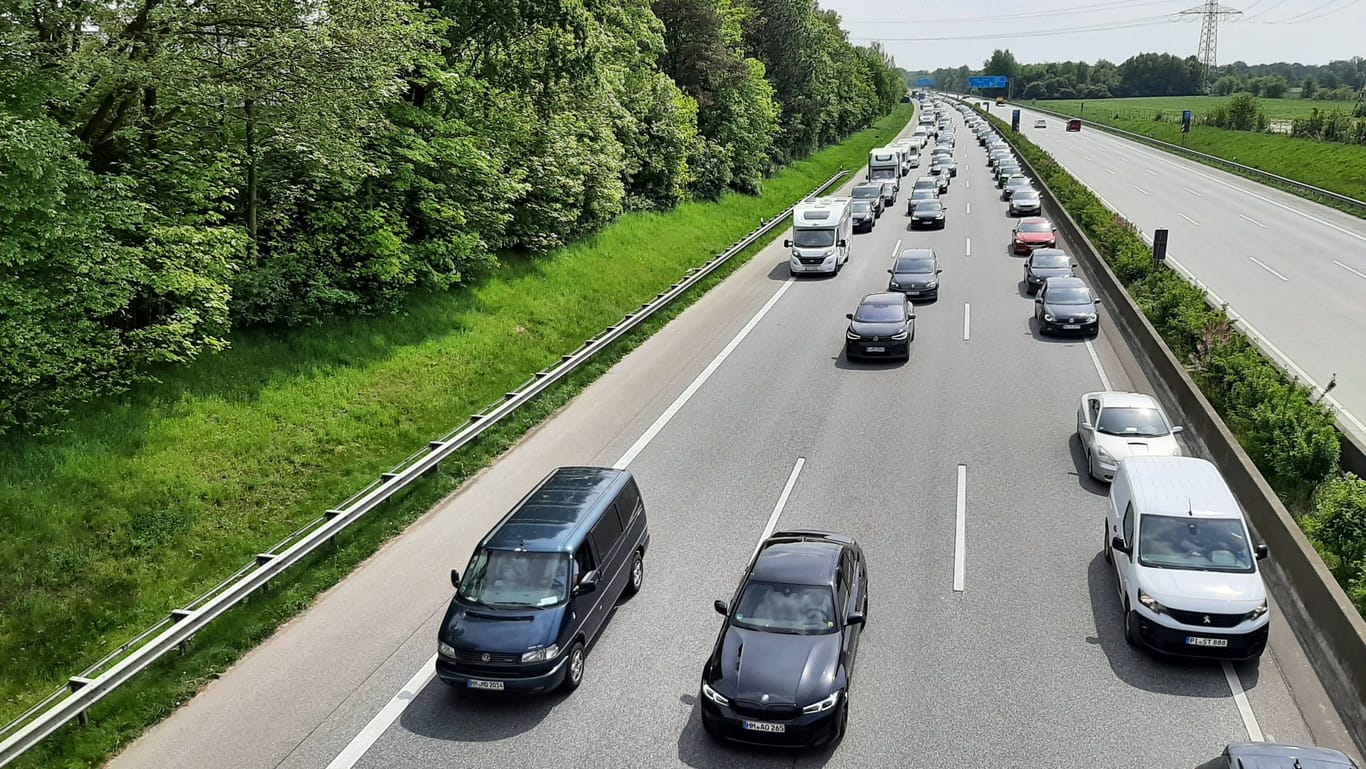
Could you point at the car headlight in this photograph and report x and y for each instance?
(850, 335)
(899, 336)
(894, 284)
(445, 649)
(1150, 603)
(1091, 318)
(823, 705)
(544, 654)
(712, 695)
(931, 284)
(1259, 611)
(1104, 455)
(1048, 317)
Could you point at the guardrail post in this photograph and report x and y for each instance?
(261, 560)
(177, 615)
(75, 683)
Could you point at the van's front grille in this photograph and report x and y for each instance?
(1205, 619)
(488, 658)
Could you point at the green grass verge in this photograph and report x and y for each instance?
(1340, 168)
(146, 503)
(1147, 106)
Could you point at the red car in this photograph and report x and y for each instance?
(1033, 232)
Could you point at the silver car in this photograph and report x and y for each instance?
(1117, 425)
(1026, 201)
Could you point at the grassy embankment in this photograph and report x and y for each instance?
(1340, 168)
(146, 503)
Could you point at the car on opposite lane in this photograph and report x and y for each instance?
(915, 273)
(1045, 263)
(1026, 201)
(870, 192)
(883, 326)
(1113, 426)
(1040, 123)
(863, 215)
(1066, 305)
(928, 214)
(1033, 232)
(780, 669)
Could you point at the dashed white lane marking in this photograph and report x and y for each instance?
(782, 503)
(1193, 192)
(967, 320)
(1151, 171)
(1262, 264)
(1349, 269)
(968, 209)
(1254, 221)
(967, 247)
(960, 532)
(1187, 218)
(1254, 731)
(1108, 171)
(1140, 189)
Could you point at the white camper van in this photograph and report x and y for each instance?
(884, 165)
(1185, 561)
(822, 229)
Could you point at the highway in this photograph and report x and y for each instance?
(1293, 269)
(742, 397)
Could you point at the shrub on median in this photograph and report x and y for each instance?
(1338, 529)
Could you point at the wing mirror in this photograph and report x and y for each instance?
(891, 271)
(854, 618)
(849, 315)
(938, 270)
(455, 578)
(1097, 300)
(588, 584)
(787, 244)
(1117, 544)
(1038, 300)
(843, 244)
(721, 608)
(1262, 551)
(1086, 428)
(1178, 429)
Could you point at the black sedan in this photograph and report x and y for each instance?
(916, 274)
(863, 216)
(1066, 305)
(780, 670)
(1045, 263)
(1273, 755)
(928, 213)
(871, 192)
(883, 326)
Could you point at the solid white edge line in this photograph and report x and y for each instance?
(1264, 266)
(782, 503)
(1349, 269)
(1187, 218)
(960, 531)
(967, 319)
(686, 395)
(967, 247)
(1254, 731)
(1095, 359)
(372, 731)
(1254, 221)
(1193, 192)
(897, 248)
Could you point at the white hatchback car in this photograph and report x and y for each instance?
(1116, 425)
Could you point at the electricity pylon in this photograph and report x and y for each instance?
(1210, 12)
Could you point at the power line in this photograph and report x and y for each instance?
(1148, 22)
(1025, 15)
(1300, 18)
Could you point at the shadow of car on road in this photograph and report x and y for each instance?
(1034, 331)
(700, 750)
(1083, 473)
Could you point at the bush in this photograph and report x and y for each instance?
(1337, 526)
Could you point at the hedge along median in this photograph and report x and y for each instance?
(150, 501)
(1276, 445)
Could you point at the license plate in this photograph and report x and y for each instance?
(763, 726)
(1072, 326)
(913, 293)
(1194, 640)
(495, 686)
(876, 349)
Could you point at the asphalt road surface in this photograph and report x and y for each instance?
(1024, 666)
(1293, 269)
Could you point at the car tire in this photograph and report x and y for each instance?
(1105, 544)
(575, 661)
(844, 720)
(1130, 629)
(1091, 467)
(637, 579)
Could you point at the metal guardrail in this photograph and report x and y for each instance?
(93, 684)
(1305, 190)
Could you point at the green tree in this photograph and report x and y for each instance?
(1002, 62)
(1308, 88)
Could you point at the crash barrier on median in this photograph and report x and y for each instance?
(93, 684)
(1274, 180)
(1311, 601)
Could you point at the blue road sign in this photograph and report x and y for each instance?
(990, 81)
(925, 81)
(1185, 121)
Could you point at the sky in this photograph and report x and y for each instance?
(965, 32)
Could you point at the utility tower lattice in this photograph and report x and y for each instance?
(1210, 12)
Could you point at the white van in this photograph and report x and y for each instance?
(920, 136)
(821, 231)
(1185, 560)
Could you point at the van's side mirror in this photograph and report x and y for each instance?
(1038, 300)
(854, 618)
(455, 578)
(1117, 544)
(1262, 552)
(721, 608)
(938, 270)
(787, 244)
(891, 271)
(1178, 429)
(587, 584)
(849, 315)
(1097, 300)
(843, 244)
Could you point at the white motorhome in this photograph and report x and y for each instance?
(1185, 562)
(910, 154)
(822, 229)
(884, 165)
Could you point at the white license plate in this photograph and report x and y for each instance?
(876, 349)
(1072, 326)
(913, 293)
(495, 686)
(1194, 640)
(763, 726)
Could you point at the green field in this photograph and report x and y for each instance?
(1330, 165)
(146, 503)
(1147, 107)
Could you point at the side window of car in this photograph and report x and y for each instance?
(1129, 524)
(1095, 410)
(842, 586)
(583, 561)
(606, 532)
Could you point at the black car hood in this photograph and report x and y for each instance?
(501, 630)
(881, 330)
(912, 279)
(1069, 310)
(928, 215)
(790, 669)
(1050, 272)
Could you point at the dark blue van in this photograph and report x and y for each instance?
(541, 584)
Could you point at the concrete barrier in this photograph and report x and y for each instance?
(1311, 601)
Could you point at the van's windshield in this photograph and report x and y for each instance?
(1197, 544)
(516, 579)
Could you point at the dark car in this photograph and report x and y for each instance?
(870, 192)
(1013, 184)
(1074, 125)
(1272, 755)
(863, 215)
(919, 195)
(928, 213)
(780, 670)
(915, 273)
(542, 583)
(888, 194)
(1033, 232)
(1045, 263)
(1066, 305)
(883, 326)
(1007, 172)
(1026, 201)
